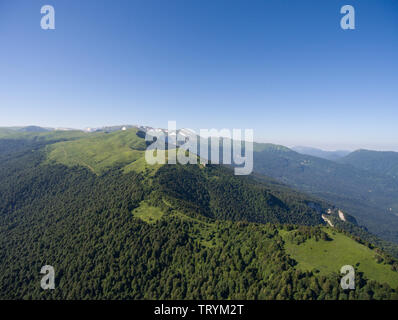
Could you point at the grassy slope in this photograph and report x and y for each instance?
(330, 256)
(204, 231)
(141, 165)
(148, 213)
(100, 151)
(326, 256)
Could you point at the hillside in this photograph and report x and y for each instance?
(38, 135)
(327, 256)
(99, 151)
(210, 185)
(370, 197)
(179, 232)
(379, 162)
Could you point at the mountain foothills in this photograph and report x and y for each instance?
(114, 227)
(369, 194)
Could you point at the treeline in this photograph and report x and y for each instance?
(387, 251)
(300, 234)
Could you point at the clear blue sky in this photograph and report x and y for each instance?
(283, 68)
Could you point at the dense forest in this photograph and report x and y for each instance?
(218, 236)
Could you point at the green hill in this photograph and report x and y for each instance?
(209, 185)
(328, 256)
(115, 229)
(99, 151)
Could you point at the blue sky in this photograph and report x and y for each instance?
(283, 68)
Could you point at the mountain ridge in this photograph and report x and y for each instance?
(181, 232)
(380, 162)
(328, 155)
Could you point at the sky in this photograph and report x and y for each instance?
(284, 68)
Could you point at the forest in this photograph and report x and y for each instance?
(217, 236)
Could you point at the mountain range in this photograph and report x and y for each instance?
(115, 227)
(379, 162)
(328, 155)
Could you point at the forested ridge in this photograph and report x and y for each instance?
(219, 236)
(369, 195)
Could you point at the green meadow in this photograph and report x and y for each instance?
(329, 256)
(148, 213)
(99, 151)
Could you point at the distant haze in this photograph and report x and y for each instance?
(329, 155)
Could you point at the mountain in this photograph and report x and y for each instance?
(328, 155)
(252, 200)
(114, 227)
(379, 162)
(370, 197)
(33, 129)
